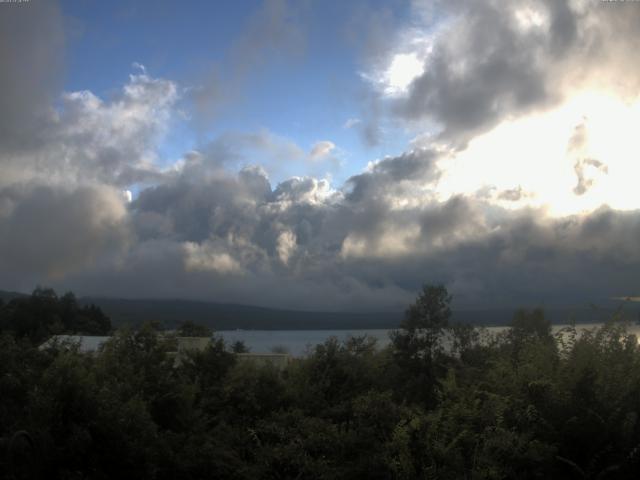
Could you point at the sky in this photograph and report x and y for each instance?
(322, 155)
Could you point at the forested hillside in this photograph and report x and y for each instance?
(170, 313)
(44, 313)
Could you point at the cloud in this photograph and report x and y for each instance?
(370, 129)
(393, 177)
(31, 46)
(279, 156)
(90, 139)
(244, 218)
(580, 168)
(350, 123)
(65, 159)
(486, 62)
(578, 147)
(321, 150)
(51, 232)
(482, 68)
(286, 245)
(233, 237)
(276, 30)
(272, 148)
(299, 190)
(205, 257)
(512, 194)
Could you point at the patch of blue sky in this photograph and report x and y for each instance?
(303, 97)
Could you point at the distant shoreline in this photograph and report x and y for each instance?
(169, 313)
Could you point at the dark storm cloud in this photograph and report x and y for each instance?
(31, 45)
(234, 237)
(190, 210)
(259, 239)
(62, 209)
(53, 231)
(389, 173)
(485, 69)
(497, 60)
(367, 254)
(514, 258)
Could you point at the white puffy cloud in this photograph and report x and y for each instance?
(206, 257)
(89, 139)
(286, 245)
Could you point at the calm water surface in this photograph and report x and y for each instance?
(300, 342)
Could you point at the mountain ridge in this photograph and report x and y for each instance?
(230, 316)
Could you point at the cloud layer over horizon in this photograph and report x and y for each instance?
(515, 190)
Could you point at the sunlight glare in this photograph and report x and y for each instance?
(538, 154)
(404, 69)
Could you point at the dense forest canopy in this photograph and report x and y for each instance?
(44, 313)
(520, 404)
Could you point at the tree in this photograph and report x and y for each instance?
(192, 329)
(430, 313)
(418, 342)
(424, 323)
(532, 325)
(239, 347)
(530, 328)
(44, 314)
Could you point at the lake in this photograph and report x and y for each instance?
(300, 342)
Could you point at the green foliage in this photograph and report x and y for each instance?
(191, 329)
(441, 401)
(44, 314)
(239, 347)
(418, 344)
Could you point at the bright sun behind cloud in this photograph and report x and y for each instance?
(543, 156)
(403, 69)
